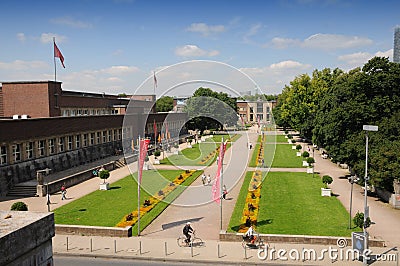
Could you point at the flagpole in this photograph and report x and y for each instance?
(222, 180)
(54, 59)
(139, 178)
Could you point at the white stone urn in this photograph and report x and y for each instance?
(105, 186)
(326, 192)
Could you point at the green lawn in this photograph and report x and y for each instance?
(277, 156)
(291, 203)
(107, 208)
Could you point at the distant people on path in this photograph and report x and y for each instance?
(63, 192)
(250, 145)
(203, 179)
(224, 192)
(209, 179)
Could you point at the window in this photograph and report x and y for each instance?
(115, 134)
(251, 110)
(29, 150)
(91, 138)
(16, 151)
(78, 141)
(109, 135)
(259, 107)
(267, 109)
(3, 155)
(119, 134)
(52, 143)
(41, 147)
(61, 143)
(85, 140)
(104, 136)
(70, 143)
(98, 137)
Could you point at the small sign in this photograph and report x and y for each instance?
(357, 240)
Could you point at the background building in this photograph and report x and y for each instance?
(396, 47)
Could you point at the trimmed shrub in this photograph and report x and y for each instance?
(305, 154)
(358, 220)
(326, 179)
(19, 206)
(104, 175)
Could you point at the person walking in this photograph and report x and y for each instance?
(63, 192)
(209, 179)
(203, 179)
(224, 192)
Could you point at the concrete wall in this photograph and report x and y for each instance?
(64, 229)
(26, 238)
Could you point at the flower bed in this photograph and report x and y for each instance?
(250, 210)
(131, 218)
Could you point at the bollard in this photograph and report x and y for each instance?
(191, 249)
(218, 252)
(245, 253)
(91, 245)
(140, 247)
(165, 248)
(397, 259)
(67, 243)
(115, 246)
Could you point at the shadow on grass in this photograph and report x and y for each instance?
(116, 187)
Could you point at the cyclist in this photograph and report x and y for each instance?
(250, 235)
(186, 231)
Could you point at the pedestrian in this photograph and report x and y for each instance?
(262, 162)
(224, 192)
(203, 178)
(209, 179)
(250, 145)
(63, 192)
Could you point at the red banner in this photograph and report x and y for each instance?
(143, 144)
(216, 189)
(57, 53)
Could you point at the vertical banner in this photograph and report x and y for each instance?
(143, 144)
(155, 133)
(216, 189)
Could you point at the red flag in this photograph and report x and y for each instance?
(216, 189)
(143, 144)
(57, 53)
(166, 131)
(241, 117)
(155, 130)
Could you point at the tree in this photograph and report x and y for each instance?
(358, 220)
(208, 109)
(104, 174)
(326, 179)
(165, 104)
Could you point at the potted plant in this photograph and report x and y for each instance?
(310, 162)
(305, 155)
(358, 220)
(156, 154)
(298, 148)
(104, 174)
(326, 179)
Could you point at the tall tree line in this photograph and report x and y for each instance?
(331, 107)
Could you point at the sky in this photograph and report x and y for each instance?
(173, 47)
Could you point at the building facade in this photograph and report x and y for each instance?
(255, 111)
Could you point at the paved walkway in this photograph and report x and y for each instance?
(195, 205)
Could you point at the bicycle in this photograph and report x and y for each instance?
(194, 241)
(257, 244)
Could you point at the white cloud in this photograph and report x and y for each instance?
(48, 37)
(68, 21)
(120, 70)
(21, 36)
(19, 65)
(191, 50)
(254, 29)
(360, 58)
(205, 29)
(335, 41)
(288, 64)
(322, 41)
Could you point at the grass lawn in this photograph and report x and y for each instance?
(277, 156)
(291, 203)
(199, 151)
(107, 208)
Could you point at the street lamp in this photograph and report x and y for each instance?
(352, 180)
(366, 208)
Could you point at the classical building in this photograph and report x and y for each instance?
(256, 111)
(396, 47)
(43, 126)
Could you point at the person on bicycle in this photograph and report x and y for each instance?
(186, 231)
(250, 234)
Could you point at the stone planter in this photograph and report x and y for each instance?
(294, 147)
(305, 163)
(326, 192)
(310, 170)
(396, 186)
(298, 154)
(105, 186)
(156, 161)
(145, 166)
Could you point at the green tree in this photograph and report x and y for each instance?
(165, 104)
(208, 109)
(19, 206)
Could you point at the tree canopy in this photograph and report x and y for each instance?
(331, 107)
(165, 104)
(208, 109)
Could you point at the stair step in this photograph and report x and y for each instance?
(22, 191)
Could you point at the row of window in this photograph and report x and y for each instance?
(79, 112)
(45, 147)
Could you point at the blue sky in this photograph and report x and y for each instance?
(114, 46)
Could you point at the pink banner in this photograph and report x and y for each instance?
(216, 189)
(143, 144)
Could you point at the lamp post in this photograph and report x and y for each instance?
(352, 180)
(366, 128)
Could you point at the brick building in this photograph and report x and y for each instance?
(42, 126)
